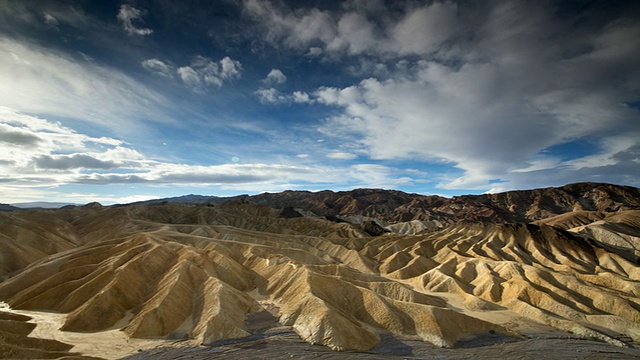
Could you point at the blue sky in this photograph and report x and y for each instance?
(118, 101)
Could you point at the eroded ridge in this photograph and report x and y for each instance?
(199, 272)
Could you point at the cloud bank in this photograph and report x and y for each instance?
(40, 154)
(489, 91)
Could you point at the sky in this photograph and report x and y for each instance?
(120, 101)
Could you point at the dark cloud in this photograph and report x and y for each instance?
(100, 179)
(67, 162)
(392, 29)
(193, 178)
(19, 138)
(213, 178)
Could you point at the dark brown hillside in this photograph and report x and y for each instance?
(392, 206)
(542, 203)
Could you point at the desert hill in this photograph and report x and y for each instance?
(392, 207)
(205, 273)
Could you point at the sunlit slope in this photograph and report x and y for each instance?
(180, 271)
(542, 273)
(31, 235)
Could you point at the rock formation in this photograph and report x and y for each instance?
(183, 271)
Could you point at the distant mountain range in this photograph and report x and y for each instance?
(41, 205)
(387, 207)
(192, 199)
(7, 207)
(34, 205)
(391, 206)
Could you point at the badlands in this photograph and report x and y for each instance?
(367, 274)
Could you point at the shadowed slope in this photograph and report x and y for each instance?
(30, 235)
(15, 342)
(619, 232)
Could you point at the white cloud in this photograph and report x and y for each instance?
(355, 34)
(274, 96)
(50, 19)
(424, 29)
(314, 51)
(204, 72)
(301, 97)
(611, 149)
(520, 88)
(275, 77)
(379, 176)
(41, 153)
(341, 156)
(189, 76)
(295, 30)
(271, 96)
(36, 14)
(158, 67)
(128, 16)
(539, 163)
(231, 69)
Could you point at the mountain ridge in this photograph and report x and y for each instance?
(394, 206)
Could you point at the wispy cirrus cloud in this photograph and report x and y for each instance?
(39, 80)
(130, 17)
(158, 67)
